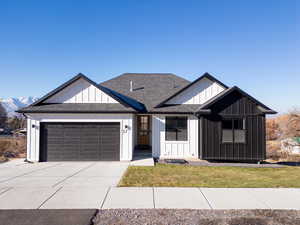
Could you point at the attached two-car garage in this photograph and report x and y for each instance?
(80, 141)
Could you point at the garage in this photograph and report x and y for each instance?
(80, 142)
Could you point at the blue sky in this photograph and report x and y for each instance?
(252, 44)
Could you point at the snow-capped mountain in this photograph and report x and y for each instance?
(13, 104)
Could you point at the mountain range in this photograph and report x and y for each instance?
(13, 104)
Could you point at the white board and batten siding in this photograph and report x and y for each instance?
(126, 135)
(198, 93)
(81, 91)
(174, 149)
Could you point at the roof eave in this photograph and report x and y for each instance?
(76, 112)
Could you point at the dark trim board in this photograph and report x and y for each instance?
(79, 141)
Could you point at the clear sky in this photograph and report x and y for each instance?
(252, 44)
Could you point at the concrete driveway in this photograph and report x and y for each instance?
(88, 185)
(57, 184)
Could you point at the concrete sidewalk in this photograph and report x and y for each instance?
(203, 198)
(148, 198)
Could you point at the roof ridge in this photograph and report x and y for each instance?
(149, 73)
(142, 74)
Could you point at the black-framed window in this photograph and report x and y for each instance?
(234, 130)
(176, 128)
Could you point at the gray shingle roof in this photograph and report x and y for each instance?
(148, 88)
(150, 92)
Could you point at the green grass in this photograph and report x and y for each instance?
(163, 175)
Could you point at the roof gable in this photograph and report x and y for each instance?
(80, 91)
(260, 106)
(197, 92)
(73, 91)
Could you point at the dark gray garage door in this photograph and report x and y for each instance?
(80, 142)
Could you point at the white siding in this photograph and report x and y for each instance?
(174, 149)
(198, 93)
(81, 91)
(33, 136)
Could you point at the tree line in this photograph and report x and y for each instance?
(11, 123)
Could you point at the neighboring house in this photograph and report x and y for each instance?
(174, 118)
(291, 145)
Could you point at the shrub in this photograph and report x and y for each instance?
(273, 150)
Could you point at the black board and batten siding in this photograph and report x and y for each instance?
(234, 105)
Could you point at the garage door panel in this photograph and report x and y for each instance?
(73, 141)
(87, 139)
(108, 147)
(80, 141)
(109, 143)
(56, 133)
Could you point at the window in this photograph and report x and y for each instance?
(176, 128)
(234, 131)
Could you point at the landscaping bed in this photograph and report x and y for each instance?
(199, 217)
(164, 175)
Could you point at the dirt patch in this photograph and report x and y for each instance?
(199, 217)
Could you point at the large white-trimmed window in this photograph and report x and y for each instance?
(176, 128)
(234, 130)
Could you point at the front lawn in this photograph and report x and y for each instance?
(163, 175)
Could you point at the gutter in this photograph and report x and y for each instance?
(202, 112)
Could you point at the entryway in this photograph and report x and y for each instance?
(143, 145)
(143, 131)
(143, 150)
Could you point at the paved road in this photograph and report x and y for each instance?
(47, 217)
(93, 185)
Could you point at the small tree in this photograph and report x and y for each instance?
(273, 130)
(3, 116)
(292, 128)
(16, 123)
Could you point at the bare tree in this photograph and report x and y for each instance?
(293, 124)
(16, 123)
(3, 115)
(273, 130)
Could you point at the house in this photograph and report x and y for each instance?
(291, 145)
(170, 116)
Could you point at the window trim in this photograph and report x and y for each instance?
(187, 130)
(233, 129)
